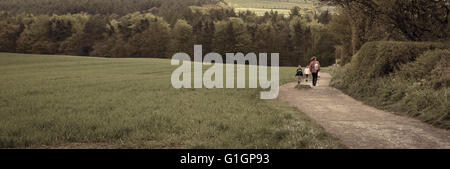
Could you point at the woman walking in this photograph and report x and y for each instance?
(314, 67)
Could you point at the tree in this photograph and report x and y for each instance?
(323, 45)
(295, 11)
(275, 38)
(59, 29)
(341, 30)
(417, 20)
(182, 38)
(301, 39)
(231, 36)
(153, 42)
(9, 33)
(135, 35)
(79, 43)
(112, 46)
(204, 35)
(34, 38)
(324, 17)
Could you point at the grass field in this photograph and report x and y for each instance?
(82, 102)
(269, 4)
(260, 7)
(262, 11)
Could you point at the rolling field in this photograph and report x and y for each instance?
(262, 11)
(270, 4)
(49, 101)
(262, 6)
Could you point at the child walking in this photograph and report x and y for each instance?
(307, 73)
(299, 74)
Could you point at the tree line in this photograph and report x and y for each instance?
(158, 34)
(158, 28)
(361, 21)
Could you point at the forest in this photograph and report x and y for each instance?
(361, 21)
(150, 28)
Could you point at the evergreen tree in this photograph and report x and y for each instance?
(182, 38)
(232, 36)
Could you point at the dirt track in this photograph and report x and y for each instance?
(360, 126)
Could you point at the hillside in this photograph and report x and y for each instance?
(104, 7)
(274, 4)
(281, 6)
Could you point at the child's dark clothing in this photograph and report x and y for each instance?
(299, 72)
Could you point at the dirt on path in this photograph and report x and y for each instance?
(360, 126)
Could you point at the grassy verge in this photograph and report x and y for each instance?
(66, 101)
(404, 77)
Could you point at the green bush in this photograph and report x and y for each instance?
(382, 58)
(8, 35)
(408, 77)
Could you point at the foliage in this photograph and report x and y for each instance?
(160, 34)
(231, 36)
(183, 38)
(400, 20)
(401, 76)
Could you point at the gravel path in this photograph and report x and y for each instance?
(360, 126)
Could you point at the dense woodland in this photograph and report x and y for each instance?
(361, 21)
(160, 28)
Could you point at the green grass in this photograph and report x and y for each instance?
(268, 4)
(260, 7)
(262, 11)
(409, 78)
(56, 101)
